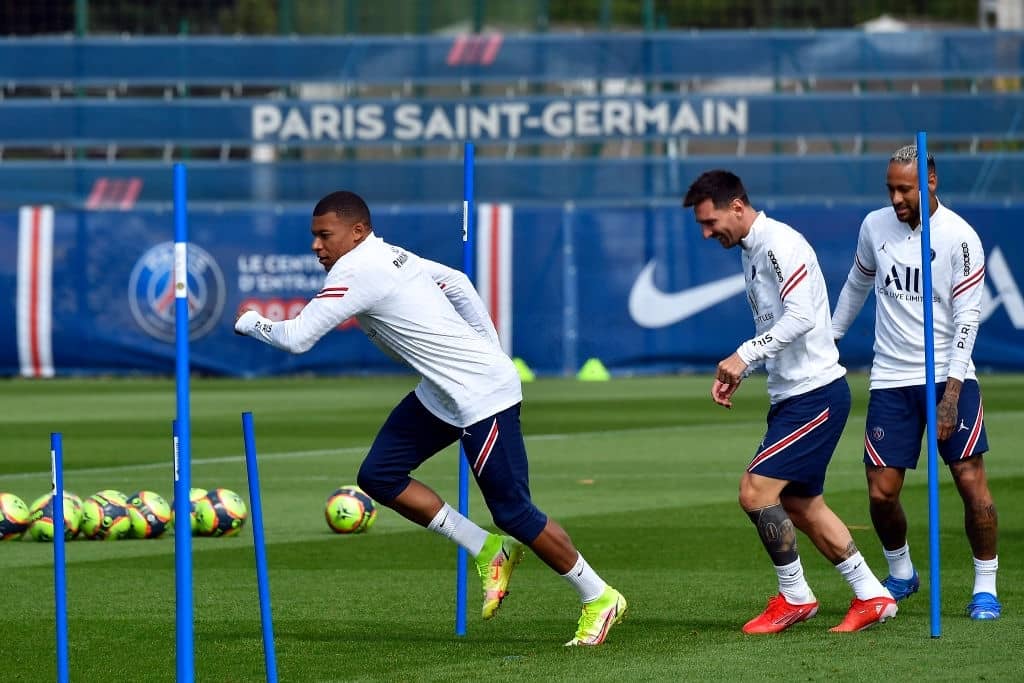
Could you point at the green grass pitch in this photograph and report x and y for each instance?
(642, 473)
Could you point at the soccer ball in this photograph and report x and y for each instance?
(350, 511)
(149, 514)
(113, 495)
(14, 517)
(41, 517)
(194, 496)
(104, 519)
(221, 513)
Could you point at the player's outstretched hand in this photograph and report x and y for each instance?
(721, 393)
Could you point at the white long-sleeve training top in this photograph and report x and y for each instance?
(787, 296)
(416, 311)
(889, 257)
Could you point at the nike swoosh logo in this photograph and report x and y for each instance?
(791, 617)
(651, 307)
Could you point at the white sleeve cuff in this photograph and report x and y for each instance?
(957, 369)
(248, 322)
(746, 353)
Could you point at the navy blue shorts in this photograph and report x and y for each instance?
(494, 448)
(802, 435)
(897, 420)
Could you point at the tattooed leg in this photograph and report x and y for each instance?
(777, 533)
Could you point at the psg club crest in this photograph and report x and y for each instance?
(151, 292)
(877, 434)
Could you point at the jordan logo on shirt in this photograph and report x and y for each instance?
(882, 248)
(963, 426)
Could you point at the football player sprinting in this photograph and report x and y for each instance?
(430, 317)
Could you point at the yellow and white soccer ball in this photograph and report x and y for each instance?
(105, 517)
(14, 517)
(195, 495)
(149, 513)
(349, 510)
(41, 524)
(222, 512)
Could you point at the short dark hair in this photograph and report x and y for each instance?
(721, 187)
(345, 204)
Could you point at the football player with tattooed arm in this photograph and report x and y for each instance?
(888, 260)
(430, 317)
(781, 489)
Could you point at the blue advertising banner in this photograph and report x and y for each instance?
(645, 291)
(34, 122)
(112, 307)
(790, 178)
(494, 56)
(637, 287)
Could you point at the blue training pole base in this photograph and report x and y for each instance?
(60, 588)
(259, 544)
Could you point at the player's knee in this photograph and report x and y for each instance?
(968, 474)
(757, 491)
(881, 496)
(751, 498)
(884, 489)
(379, 484)
(369, 481)
(522, 521)
(975, 493)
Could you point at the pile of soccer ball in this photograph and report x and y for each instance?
(350, 511)
(112, 515)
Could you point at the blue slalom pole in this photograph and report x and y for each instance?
(60, 585)
(468, 230)
(262, 580)
(185, 654)
(929, 385)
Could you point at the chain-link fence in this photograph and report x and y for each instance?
(351, 17)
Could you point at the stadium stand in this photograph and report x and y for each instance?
(96, 121)
(585, 143)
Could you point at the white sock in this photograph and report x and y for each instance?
(793, 585)
(900, 566)
(451, 524)
(862, 580)
(585, 580)
(985, 575)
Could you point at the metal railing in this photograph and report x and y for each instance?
(359, 17)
